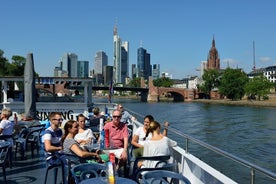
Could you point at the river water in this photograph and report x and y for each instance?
(246, 132)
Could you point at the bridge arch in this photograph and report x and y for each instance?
(179, 94)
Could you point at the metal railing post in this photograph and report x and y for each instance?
(252, 176)
(187, 142)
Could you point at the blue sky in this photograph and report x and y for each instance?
(178, 33)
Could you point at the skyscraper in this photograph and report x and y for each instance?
(100, 62)
(143, 63)
(69, 64)
(107, 73)
(134, 71)
(156, 71)
(124, 62)
(117, 56)
(83, 69)
(120, 58)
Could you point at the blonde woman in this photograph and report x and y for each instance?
(157, 145)
(6, 126)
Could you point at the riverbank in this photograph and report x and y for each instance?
(262, 103)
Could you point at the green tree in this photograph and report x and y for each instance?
(258, 86)
(232, 83)
(163, 82)
(136, 82)
(16, 68)
(211, 80)
(3, 64)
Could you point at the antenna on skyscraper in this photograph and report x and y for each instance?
(141, 43)
(115, 30)
(254, 64)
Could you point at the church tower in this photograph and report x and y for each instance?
(213, 61)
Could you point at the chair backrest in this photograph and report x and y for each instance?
(88, 170)
(161, 164)
(164, 177)
(34, 133)
(3, 154)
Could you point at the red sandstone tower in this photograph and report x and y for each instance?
(213, 61)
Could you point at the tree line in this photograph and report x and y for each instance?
(235, 84)
(13, 68)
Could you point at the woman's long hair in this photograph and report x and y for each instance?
(68, 124)
(152, 127)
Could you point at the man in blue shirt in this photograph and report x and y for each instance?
(126, 117)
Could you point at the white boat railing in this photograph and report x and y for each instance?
(253, 168)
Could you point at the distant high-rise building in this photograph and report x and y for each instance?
(124, 62)
(117, 56)
(155, 71)
(213, 60)
(108, 74)
(83, 69)
(133, 71)
(143, 63)
(100, 62)
(69, 64)
(121, 58)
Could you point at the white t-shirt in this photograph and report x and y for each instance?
(7, 129)
(156, 148)
(141, 134)
(87, 134)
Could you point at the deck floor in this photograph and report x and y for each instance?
(28, 171)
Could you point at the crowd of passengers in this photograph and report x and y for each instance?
(147, 140)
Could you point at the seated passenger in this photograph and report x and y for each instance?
(126, 117)
(95, 120)
(118, 135)
(139, 136)
(52, 139)
(6, 126)
(158, 145)
(85, 135)
(71, 146)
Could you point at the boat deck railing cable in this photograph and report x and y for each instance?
(253, 167)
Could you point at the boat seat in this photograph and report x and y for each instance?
(163, 177)
(162, 164)
(30, 135)
(4, 154)
(87, 170)
(9, 156)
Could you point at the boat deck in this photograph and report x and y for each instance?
(30, 170)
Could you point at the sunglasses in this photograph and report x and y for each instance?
(116, 116)
(60, 119)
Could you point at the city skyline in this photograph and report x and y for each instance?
(178, 35)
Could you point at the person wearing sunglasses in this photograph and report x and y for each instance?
(118, 139)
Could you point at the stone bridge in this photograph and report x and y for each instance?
(150, 93)
(178, 94)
